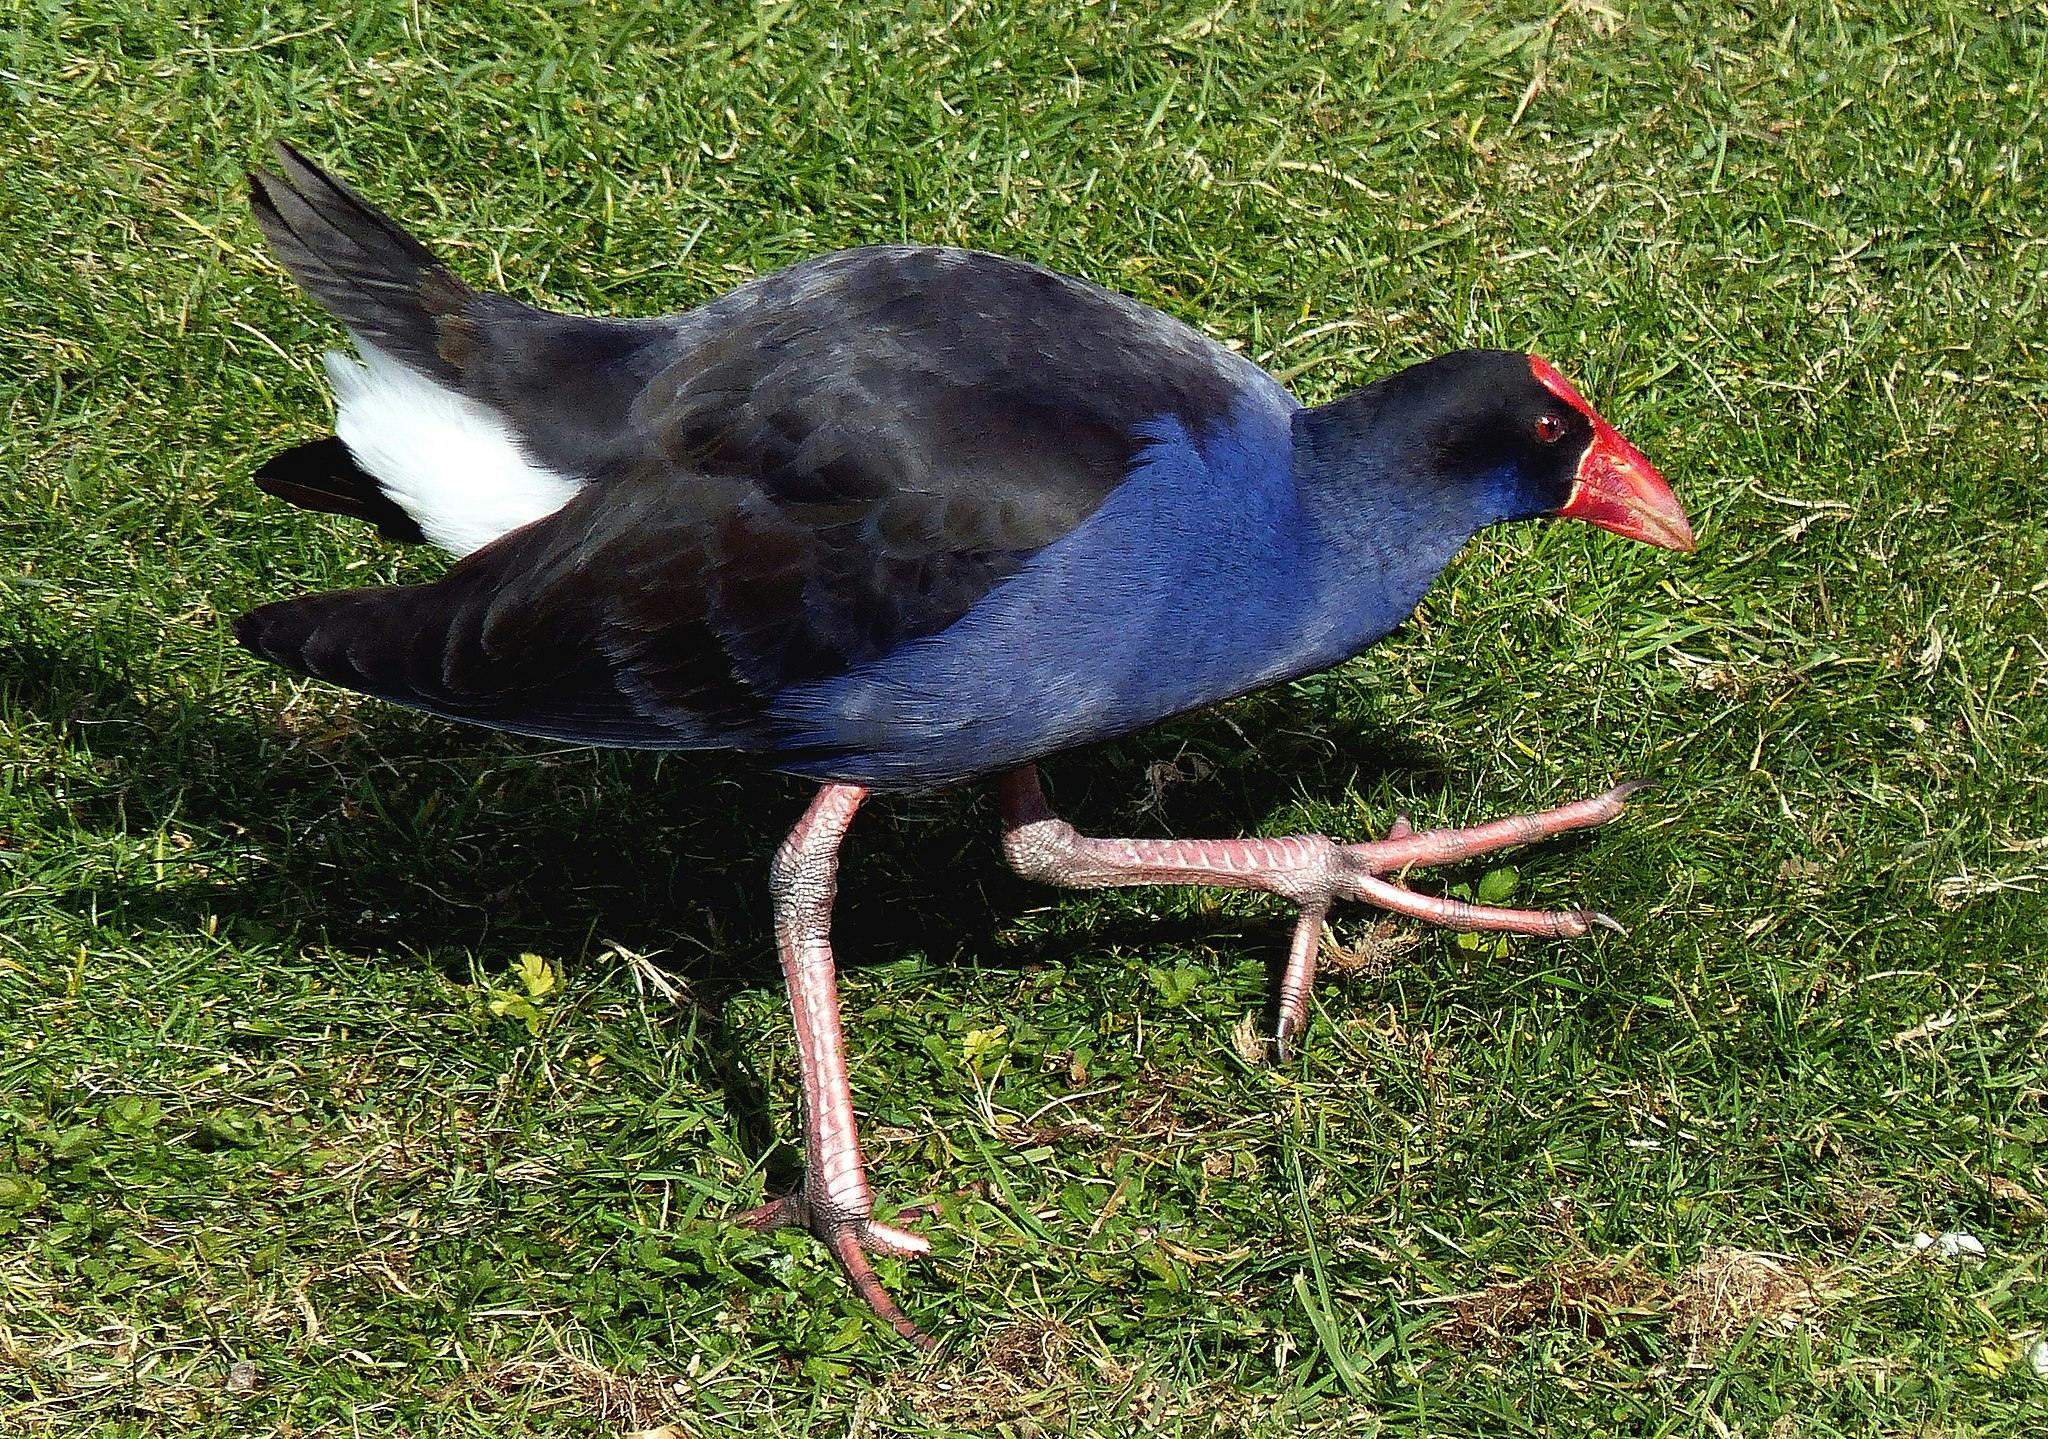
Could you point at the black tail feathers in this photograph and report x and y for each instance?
(322, 475)
(387, 287)
(345, 637)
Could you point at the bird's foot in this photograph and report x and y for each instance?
(833, 1201)
(1311, 870)
(1360, 867)
(851, 1236)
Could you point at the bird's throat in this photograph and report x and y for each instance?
(1379, 538)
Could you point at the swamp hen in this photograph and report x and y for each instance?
(898, 518)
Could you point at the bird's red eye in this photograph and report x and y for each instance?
(1549, 428)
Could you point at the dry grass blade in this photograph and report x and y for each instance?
(1025, 1373)
(1732, 1291)
(1585, 1295)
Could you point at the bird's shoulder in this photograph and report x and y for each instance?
(921, 379)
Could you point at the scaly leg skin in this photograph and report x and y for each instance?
(833, 1201)
(1308, 869)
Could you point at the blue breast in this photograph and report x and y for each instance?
(1199, 578)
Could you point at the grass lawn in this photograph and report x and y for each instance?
(363, 1075)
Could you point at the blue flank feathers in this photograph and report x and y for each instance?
(1205, 575)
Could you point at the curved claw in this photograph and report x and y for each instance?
(845, 1243)
(1605, 921)
(1283, 1040)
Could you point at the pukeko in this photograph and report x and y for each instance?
(898, 518)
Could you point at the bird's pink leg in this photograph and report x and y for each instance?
(833, 1201)
(1308, 869)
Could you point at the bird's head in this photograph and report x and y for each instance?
(1499, 435)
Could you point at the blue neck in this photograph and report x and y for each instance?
(1378, 531)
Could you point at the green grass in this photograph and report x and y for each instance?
(268, 1094)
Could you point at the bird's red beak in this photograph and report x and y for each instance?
(1615, 487)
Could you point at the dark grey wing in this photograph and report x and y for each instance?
(665, 614)
(828, 464)
(932, 417)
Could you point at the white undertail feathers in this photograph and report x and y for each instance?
(448, 461)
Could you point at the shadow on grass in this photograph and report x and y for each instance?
(375, 830)
(383, 830)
